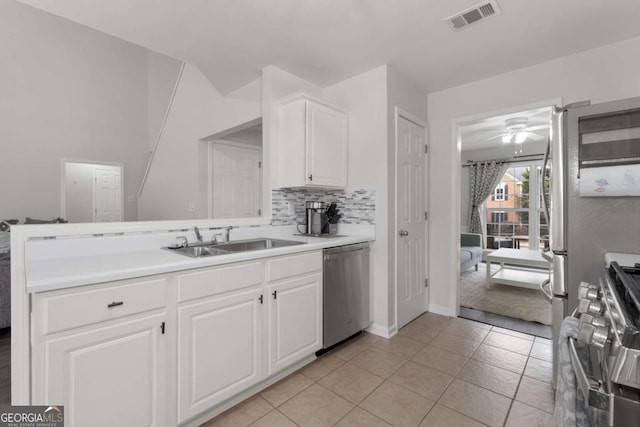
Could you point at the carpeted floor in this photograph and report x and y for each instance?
(510, 301)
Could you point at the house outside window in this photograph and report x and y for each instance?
(514, 211)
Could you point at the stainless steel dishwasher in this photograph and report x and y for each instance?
(346, 292)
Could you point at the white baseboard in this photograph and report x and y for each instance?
(381, 331)
(442, 310)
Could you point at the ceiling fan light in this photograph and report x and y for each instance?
(520, 137)
(506, 138)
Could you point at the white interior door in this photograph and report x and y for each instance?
(236, 181)
(107, 194)
(410, 220)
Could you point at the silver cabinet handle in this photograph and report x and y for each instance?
(403, 233)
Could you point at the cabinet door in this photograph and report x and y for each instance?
(295, 320)
(219, 350)
(109, 376)
(326, 146)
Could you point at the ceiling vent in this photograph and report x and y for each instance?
(473, 15)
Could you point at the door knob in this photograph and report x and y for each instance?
(403, 233)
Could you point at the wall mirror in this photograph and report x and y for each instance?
(234, 173)
(92, 192)
(72, 92)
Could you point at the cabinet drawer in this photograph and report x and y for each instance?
(294, 265)
(218, 280)
(99, 303)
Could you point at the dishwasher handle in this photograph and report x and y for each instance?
(345, 254)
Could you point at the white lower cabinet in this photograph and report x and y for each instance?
(295, 320)
(108, 352)
(109, 376)
(219, 348)
(105, 372)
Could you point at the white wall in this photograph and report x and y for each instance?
(365, 98)
(198, 110)
(66, 91)
(602, 74)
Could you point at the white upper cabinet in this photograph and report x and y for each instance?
(312, 144)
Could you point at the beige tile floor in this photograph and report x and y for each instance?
(436, 372)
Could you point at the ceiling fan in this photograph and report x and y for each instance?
(517, 131)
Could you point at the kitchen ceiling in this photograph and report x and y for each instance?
(326, 41)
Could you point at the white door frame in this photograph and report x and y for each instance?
(456, 140)
(63, 180)
(399, 112)
(212, 145)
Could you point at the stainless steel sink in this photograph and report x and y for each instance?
(255, 245)
(203, 250)
(199, 251)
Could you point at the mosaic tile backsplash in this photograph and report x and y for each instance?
(356, 207)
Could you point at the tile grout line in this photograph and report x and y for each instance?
(387, 379)
(292, 396)
(271, 411)
(511, 400)
(451, 382)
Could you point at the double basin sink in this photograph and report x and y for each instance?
(211, 249)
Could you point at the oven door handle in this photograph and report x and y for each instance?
(593, 393)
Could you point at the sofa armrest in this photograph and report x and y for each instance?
(470, 239)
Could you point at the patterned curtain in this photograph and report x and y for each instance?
(484, 178)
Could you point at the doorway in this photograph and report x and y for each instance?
(503, 187)
(92, 192)
(236, 180)
(410, 235)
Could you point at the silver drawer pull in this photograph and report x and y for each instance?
(115, 304)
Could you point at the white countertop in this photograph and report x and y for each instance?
(66, 263)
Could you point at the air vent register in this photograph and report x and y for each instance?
(473, 15)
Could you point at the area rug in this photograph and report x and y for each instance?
(510, 301)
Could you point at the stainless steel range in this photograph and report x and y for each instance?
(606, 354)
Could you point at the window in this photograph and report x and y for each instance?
(499, 216)
(501, 192)
(514, 211)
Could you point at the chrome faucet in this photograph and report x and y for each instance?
(225, 233)
(181, 242)
(198, 235)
